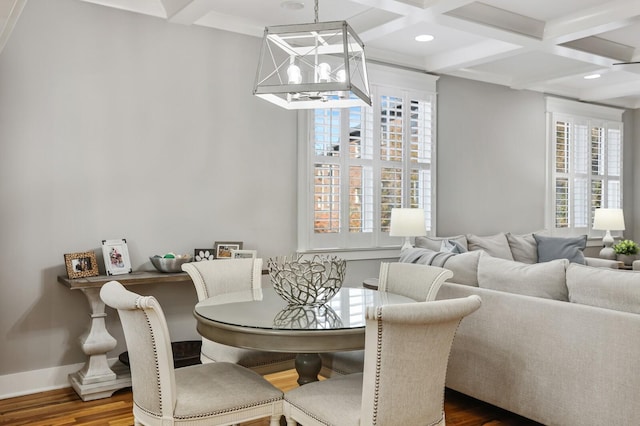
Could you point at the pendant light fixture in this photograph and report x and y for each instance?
(318, 65)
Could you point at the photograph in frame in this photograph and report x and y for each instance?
(116, 257)
(201, 254)
(244, 254)
(80, 265)
(223, 248)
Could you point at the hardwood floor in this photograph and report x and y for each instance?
(64, 407)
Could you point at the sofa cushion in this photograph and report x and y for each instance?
(523, 248)
(545, 280)
(604, 288)
(494, 245)
(551, 248)
(434, 243)
(452, 246)
(464, 267)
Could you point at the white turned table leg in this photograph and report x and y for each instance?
(96, 379)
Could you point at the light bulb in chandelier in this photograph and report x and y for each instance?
(294, 74)
(341, 76)
(324, 73)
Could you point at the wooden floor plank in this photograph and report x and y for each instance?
(63, 407)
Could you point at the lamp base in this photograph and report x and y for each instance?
(407, 244)
(607, 251)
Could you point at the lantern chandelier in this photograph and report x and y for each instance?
(318, 65)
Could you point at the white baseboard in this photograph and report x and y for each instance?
(35, 381)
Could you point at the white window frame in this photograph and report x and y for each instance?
(399, 82)
(588, 115)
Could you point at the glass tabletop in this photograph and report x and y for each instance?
(267, 310)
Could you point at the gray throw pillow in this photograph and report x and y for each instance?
(435, 243)
(494, 245)
(551, 248)
(452, 246)
(604, 288)
(547, 280)
(523, 248)
(464, 267)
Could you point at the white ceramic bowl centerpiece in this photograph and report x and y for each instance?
(306, 282)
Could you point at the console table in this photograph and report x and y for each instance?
(97, 379)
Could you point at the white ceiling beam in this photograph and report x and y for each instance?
(171, 7)
(630, 88)
(389, 28)
(472, 55)
(232, 24)
(191, 11)
(606, 17)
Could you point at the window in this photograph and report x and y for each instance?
(358, 163)
(585, 163)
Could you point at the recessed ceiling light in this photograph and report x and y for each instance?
(591, 76)
(292, 5)
(424, 37)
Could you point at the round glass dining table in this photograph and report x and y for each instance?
(262, 320)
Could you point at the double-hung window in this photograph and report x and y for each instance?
(358, 163)
(585, 163)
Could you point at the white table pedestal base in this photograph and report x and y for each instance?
(96, 379)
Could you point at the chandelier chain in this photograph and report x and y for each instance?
(315, 10)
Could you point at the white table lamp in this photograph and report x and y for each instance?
(608, 220)
(407, 223)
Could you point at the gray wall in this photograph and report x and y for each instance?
(491, 158)
(117, 125)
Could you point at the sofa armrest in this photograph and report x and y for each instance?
(551, 361)
(602, 263)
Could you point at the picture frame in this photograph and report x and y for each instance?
(81, 265)
(201, 254)
(223, 248)
(244, 254)
(116, 257)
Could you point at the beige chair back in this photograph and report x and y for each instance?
(406, 355)
(149, 345)
(216, 277)
(419, 282)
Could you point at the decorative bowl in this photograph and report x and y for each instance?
(306, 282)
(169, 264)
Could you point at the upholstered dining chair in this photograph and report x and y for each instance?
(406, 355)
(418, 282)
(219, 277)
(208, 394)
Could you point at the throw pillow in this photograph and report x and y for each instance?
(464, 267)
(551, 248)
(523, 248)
(604, 288)
(547, 280)
(495, 245)
(434, 243)
(452, 246)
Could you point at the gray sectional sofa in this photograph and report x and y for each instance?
(555, 341)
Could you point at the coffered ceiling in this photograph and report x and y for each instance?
(542, 45)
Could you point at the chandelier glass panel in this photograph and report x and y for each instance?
(318, 65)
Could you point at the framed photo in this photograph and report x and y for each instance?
(244, 254)
(203, 254)
(81, 265)
(223, 248)
(116, 257)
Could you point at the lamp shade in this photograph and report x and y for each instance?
(608, 220)
(407, 223)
